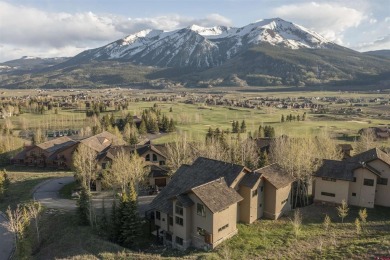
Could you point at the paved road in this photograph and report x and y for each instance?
(47, 194)
(6, 239)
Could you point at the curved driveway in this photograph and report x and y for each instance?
(6, 239)
(47, 194)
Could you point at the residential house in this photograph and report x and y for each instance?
(361, 180)
(202, 203)
(57, 153)
(154, 156)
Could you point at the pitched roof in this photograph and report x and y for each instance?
(216, 195)
(156, 172)
(100, 141)
(250, 179)
(185, 200)
(55, 144)
(371, 155)
(276, 175)
(202, 171)
(340, 170)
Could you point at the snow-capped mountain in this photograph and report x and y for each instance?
(201, 47)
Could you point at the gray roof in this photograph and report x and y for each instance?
(185, 200)
(343, 170)
(340, 170)
(250, 179)
(202, 171)
(216, 195)
(276, 175)
(371, 155)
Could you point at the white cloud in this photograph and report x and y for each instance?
(30, 31)
(379, 44)
(329, 19)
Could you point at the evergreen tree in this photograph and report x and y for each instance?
(243, 127)
(304, 116)
(263, 159)
(298, 118)
(172, 126)
(83, 207)
(115, 223)
(142, 128)
(282, 120)
(131, 222)
(154, 126)
(170, 109)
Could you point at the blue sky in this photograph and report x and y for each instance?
(50, 28)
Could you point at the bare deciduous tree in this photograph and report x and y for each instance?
(179, 152)
(17, 221)
(34, 210)
(343, 210)
(126, 168)
(85, 164)
(365, 142)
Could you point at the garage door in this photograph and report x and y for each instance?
(160, 182)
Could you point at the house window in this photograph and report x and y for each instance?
(179, 241)
(382, 181)
(147, 157)
(260, 205)
(328, 179)
(353, 194)
(354, 179)
(200, 210)
(168, 237)
(368, 182)
(170, 219)
(179, 209)
(158, 215)
(254, 192)
(179, 221)
(162, 162)
(223, 228)
(261, 188)
(154, 158)
(284, 201)
(200, 231)
(328, 194)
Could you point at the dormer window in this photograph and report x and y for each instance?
(154, 158)
(147, 158)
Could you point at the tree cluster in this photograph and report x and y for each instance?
(290, 118)
(238, 128)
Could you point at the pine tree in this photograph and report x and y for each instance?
(83, 207)
(115, 222)
(298, 118)
(142, 128)
(243, 127)
(282, 120)
(171, 126)
(131, 222)
(263, 159)
(304, 116)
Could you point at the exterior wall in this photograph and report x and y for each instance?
(205, 222)
(67, 155)
(36, 157)
(251, 208)
(269, 200)
(281, 205)
(364, 196)
(156, 162)
(184, 231)
(382, 196)
(162, 223)
(225, 217)
(339, 188)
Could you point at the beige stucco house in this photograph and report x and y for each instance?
(361, 180)
(203, 202)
